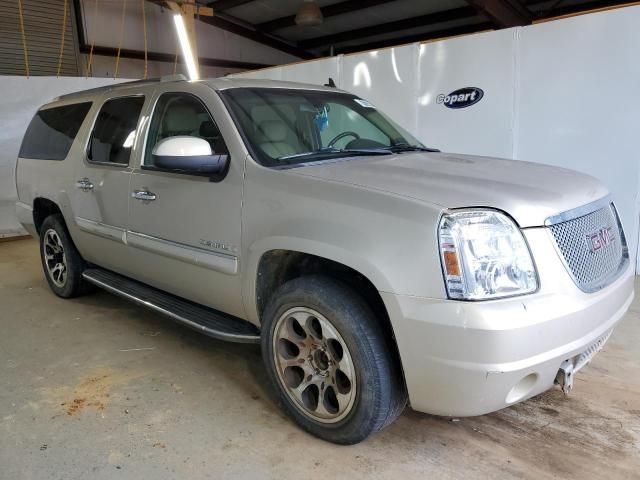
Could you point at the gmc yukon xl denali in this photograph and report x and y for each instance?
(373, 271)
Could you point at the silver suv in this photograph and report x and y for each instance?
(373, 271)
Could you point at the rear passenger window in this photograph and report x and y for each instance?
(114, 131)
(52, 132)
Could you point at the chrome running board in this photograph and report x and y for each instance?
(203, 319)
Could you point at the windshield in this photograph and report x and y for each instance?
(291, 126)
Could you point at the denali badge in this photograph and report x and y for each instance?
(461, 98)
(600, 239)
(217, 245)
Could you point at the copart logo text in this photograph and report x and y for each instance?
(461, 98)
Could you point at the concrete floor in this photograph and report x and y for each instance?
(98, 388)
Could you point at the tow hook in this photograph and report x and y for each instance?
(564, 377)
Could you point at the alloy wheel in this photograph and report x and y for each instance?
(54, 258)
(314, 365)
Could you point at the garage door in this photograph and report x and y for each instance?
(43, 30)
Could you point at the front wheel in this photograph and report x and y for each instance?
(329, 362)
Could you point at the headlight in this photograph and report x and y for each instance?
(484, 256)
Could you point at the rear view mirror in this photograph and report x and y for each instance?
(188, 154)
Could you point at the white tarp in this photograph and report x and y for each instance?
(561, 92)
(21, 97)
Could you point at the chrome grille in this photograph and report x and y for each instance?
(592, 256)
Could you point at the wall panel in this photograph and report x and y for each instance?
(485, 61)
(578, 103)
(387, 78)
(21, 99)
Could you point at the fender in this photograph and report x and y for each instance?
(302, 245)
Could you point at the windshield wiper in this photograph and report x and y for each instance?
(336, 152)
(405, 147)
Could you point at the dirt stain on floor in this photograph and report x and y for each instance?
(93, 391)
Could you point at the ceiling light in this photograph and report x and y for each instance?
(309, 14)
(185, 46)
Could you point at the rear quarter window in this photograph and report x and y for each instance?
(52, 131)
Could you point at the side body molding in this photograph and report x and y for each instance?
(197, 256)
(102, 229)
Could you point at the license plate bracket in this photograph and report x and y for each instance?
(571, 366)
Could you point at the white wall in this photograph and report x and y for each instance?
(562, 93)
(484, 61)
(578, 104)
(21, 97)
(104, 30)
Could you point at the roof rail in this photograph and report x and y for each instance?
(178, 77)
(166, 78)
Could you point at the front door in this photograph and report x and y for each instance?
(184, 229)
(100, 194)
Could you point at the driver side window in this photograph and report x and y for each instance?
(343, 119)
(182, 114)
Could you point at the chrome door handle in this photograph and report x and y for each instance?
(85, 184)
(144, 195)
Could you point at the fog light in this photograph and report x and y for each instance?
(522, 388)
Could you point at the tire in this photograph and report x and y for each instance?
(61, 262)
(351, 384)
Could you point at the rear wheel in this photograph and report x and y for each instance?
(61, 262)
(329, 361)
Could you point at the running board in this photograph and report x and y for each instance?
(205, 320)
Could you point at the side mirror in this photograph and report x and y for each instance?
(188, 154)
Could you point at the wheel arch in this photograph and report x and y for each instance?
(264, 254)
(42, 208)
(274, 266)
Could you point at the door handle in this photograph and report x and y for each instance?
(85, 184)
(144, 195)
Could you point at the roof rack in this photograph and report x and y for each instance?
(166, 78)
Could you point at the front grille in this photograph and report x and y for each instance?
(593, 247)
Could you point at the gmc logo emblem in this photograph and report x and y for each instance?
(600, 239)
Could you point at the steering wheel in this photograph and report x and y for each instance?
(341, 136)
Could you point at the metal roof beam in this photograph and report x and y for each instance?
(390, 27)
(503, 13)
(327, 12)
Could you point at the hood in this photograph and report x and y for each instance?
(529, 192)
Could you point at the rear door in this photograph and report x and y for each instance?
(99, 195)
(184, 229)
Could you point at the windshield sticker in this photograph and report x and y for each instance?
(363, 103)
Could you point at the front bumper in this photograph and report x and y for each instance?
(472, 358)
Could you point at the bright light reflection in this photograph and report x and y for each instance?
(185, 46)
(425, 99)
(128, 143)
(395, 66)
(361, 74)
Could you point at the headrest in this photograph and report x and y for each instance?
(181, 118)
(208, 129)
(273, 130)
(263, 113)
